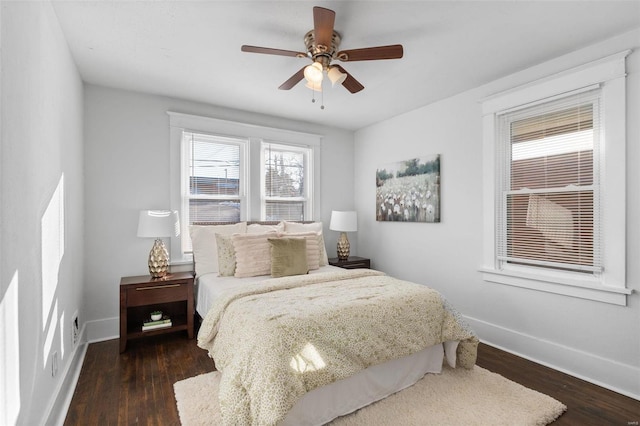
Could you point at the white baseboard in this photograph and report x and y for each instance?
(104, 329)
(57, 411)
(92, 331)
(604, 372)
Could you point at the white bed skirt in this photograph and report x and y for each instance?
(345, 396)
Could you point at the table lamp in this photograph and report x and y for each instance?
(343, 222)
(157, 224)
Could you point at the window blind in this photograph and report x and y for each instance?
(549, 186)
(285, 181)
(213, 191)
(212, 177)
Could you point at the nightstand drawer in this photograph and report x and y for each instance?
(353, 262)
(161, 293)
(357, 265)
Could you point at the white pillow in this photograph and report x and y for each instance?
(310, 227)
(203, 241)
(256, 228)
(253, 254)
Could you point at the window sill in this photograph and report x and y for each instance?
(557, 284)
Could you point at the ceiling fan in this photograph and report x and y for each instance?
(322, 44)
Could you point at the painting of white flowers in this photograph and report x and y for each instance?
(409, 191)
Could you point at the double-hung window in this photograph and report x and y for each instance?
(225, 171)
(213, 178)
(287, 178)
(548, 195)
(554, 185)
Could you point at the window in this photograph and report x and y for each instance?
(225, 171)
(212, 189)
(285, 190)
(213, 179)
(548, 193)
(555, 182)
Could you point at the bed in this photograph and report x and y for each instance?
(305, 348)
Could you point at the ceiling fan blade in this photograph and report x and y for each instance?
(293, 80)
(323, 21)
(350, 83)
(393, 51)
(270, 51)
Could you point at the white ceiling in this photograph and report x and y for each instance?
(191, 49)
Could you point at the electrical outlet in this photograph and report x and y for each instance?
(75, 331)
(54, 364)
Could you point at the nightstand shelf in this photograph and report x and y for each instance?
(141, 295)
(353, 262)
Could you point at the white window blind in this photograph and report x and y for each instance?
(212, 179)
(286, 182)
(548, 193)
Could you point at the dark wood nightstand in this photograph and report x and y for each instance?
(353, 262)
(141, 295)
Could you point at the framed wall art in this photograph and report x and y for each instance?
(409, 191)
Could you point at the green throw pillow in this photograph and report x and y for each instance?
(288, 256)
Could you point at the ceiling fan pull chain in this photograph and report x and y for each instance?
(322, 99)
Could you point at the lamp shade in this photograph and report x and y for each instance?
(313, 72)
(314, 86)
(336, 76)
(158, 223)
(343, 221)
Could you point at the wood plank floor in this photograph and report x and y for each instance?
(136, 387)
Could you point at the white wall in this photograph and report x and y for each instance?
(127, 169)
(41, 210)
(597, 341)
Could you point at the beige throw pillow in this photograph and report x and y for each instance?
(253, 256)
(288, 257)
(205, 247)
(313, 252)
(310, 227)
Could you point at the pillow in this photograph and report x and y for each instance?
(310, 227)
(313, 252)
(288, 257)
(253, 256)
(205, 249)
(226, 256)
(256, 228)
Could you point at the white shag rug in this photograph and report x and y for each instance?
(455, 397)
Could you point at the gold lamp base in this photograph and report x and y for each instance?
(343, 247)
(158, 259)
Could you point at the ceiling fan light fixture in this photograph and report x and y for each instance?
(316, 87)
(336, 76)
(313, 73)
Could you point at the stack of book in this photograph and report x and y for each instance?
(164, 322)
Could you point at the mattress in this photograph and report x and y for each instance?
(325, 403)
(209, 286)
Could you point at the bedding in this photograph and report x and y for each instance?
(203, 241)
(209, 287)
(277, 339)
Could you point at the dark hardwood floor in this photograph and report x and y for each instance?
(136, 387)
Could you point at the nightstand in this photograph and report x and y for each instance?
(353, 262)
(141, 295)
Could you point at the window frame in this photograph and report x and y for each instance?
(306, 198)
(505, 190)
(186, 196)
(254, 134)
(610, 286)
